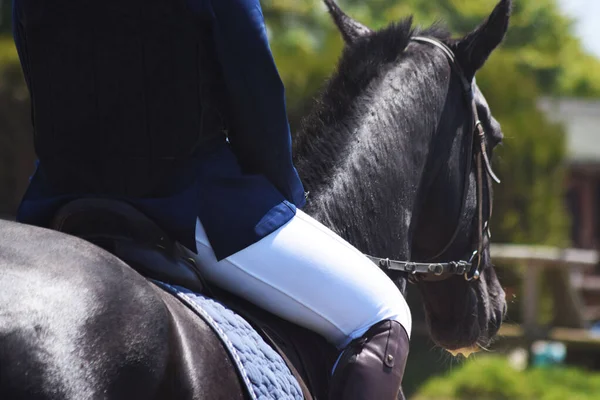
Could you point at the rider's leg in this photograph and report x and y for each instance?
(307, 274)
(372, 367)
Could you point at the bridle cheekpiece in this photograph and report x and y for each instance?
(470, 269)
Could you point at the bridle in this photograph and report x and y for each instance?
(470, 269)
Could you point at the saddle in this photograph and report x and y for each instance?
(127, 233)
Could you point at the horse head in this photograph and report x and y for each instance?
(397, 160)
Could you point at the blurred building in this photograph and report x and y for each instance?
(581, 119)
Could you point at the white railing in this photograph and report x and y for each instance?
(570, 265)
(543, 255)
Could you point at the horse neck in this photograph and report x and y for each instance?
(364, 168)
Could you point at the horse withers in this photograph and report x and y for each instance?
(392, 165)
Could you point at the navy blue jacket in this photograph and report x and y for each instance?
(243, 190)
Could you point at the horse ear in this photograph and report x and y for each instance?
(474, 49)
(351, 29)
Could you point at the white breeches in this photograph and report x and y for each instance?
(305, 273)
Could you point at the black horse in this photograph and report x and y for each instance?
(386, 156)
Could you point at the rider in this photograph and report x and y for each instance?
(176, 107)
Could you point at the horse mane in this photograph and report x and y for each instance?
(323, 134)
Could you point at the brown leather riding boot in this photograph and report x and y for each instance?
(372, 366)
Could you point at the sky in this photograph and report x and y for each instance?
(587, 14)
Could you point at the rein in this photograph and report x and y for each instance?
(470, 269)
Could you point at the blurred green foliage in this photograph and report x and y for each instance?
(493, 378)
(540, 39)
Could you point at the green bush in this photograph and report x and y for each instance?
(492, 378)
